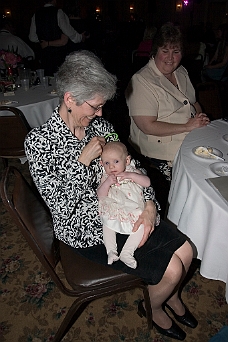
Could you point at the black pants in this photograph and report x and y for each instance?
(52, 58)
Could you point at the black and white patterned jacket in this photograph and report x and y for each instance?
(68, 186)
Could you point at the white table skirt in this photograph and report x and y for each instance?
(195, 207)
(37, 103)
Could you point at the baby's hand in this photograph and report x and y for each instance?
(111, 180)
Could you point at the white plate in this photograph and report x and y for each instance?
(7, 102)
(225, 137)
(215, 151)
(53, 93)
(220, 169)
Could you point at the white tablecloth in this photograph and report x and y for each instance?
(37, 103)
(195, 207)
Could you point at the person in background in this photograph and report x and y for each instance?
(72, 9)
(219, 62)
(49, 24)
(64, 161)
(145, 46)
(121, 201)
(209, 39)
(8, 41)
(194, 44)
(161, 102)
(62, 41)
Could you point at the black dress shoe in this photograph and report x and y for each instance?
(187, 319)
(174, 331)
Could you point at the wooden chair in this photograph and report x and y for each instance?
(221, 87)
(223, 90)
(91, 280)
(13, 130)
(209, 96)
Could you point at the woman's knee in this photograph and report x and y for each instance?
(185, 254)
(174, 271)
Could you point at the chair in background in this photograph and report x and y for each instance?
(224, 77)
(209, 96)
(138, 61)
(193, 63)
(13, 130)
(91, 280)
(223, 90)
(31, 63)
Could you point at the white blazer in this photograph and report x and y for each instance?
(150, 93)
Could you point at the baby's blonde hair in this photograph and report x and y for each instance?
(116, 145)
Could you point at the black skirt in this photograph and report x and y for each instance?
(152, 258)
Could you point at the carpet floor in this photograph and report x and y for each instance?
(32, 307)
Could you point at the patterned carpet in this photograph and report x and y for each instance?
(32, 308)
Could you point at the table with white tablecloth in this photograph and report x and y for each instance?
(37, 104)
(195, 207)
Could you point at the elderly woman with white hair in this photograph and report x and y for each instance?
(64, 161)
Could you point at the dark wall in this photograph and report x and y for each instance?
(156, 11)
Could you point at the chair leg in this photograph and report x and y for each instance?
(72, 315)
(148, 308)
(4, 162)
(79, 305)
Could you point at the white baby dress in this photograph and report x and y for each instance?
(123, 205)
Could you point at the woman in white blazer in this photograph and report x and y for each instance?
(161, 101)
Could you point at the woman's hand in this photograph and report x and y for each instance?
(209, 66)
(147, 218)
(92, 150)
(125, 175)
(200, 120)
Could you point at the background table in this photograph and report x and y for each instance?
(195, 207)
(37, 103)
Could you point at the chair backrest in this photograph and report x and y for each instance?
(32, 217)
(13, 130)
(139, 61)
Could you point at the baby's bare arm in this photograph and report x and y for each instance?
(105, 186)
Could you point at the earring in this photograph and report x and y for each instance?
(69, 110)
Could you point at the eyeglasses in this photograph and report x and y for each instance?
(95, 108)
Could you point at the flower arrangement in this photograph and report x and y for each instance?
(10, 59)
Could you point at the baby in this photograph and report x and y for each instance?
(121, 201)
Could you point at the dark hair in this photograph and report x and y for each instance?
(167, 34)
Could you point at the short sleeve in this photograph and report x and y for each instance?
(141, 97)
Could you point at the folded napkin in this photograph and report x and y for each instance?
(220, 185)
